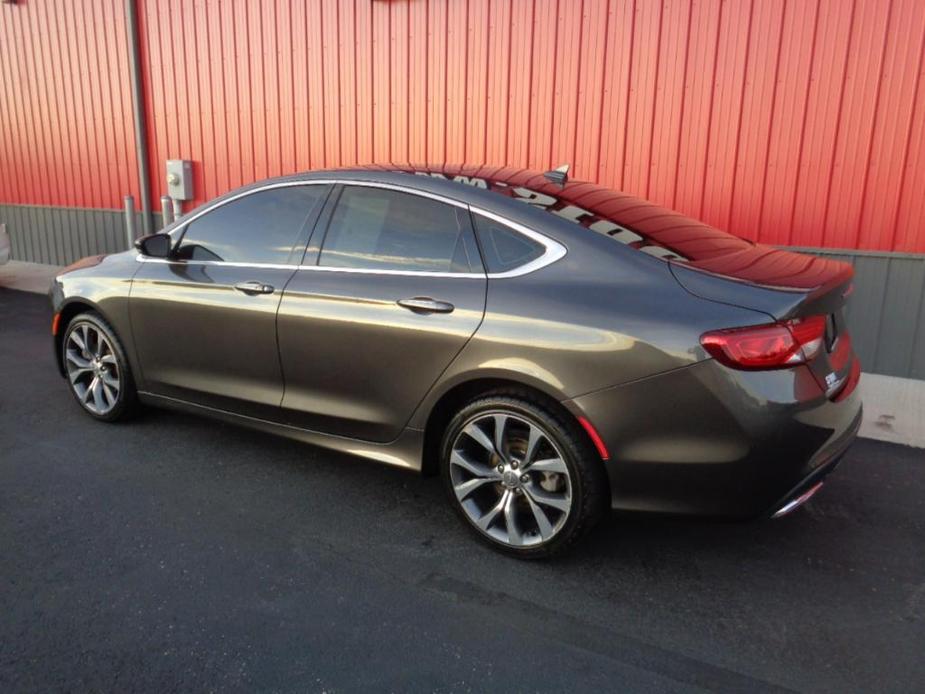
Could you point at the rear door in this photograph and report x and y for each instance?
(378, 311)
(205, 321)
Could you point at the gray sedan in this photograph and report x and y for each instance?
(552, 348)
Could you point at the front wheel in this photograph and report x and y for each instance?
(97, 370)
(521, 475)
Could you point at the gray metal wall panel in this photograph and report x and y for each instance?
(45, 217)
(61, 235)
(101, 223)
(917, 368)
(35, 236)
(901, 306)
(42, 235)
(115, 227)
(58, 232)
(19, 244)
(17, 249)
(80, 223)
(865, 307)
(886, 314)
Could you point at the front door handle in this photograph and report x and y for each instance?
(252, 288)
(424, 304)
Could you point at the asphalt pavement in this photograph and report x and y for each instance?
(179, 554)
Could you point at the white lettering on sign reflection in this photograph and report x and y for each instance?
(572, 213)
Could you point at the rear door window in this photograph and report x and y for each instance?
(260, 227)
(381, 229)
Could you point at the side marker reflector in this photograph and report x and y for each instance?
(595, 438)
(54, 324)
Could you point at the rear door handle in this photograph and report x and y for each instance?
(424, 304)
(252, 288)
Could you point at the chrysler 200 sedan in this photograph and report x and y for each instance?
(552, 348)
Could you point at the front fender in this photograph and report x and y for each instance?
(101, 284)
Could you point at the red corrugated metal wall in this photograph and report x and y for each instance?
(798, 122)
(66, 134)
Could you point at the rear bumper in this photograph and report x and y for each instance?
(826, 462)
(708, 440)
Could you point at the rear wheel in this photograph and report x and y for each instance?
(521, 475)
(97, 370)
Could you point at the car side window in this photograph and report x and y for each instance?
(257, 228)
(381, 229)
(503, 248)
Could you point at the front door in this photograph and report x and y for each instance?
(397, 291)
(204, 320)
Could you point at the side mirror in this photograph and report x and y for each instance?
(154, 245)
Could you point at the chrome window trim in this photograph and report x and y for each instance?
(374, 271)
(554, 250)
(184, 221)
(406, 189)
(316, 268)
(223, 263)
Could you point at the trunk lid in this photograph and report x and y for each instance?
(781, 283)
(791, 288)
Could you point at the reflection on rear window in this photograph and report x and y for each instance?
(631, 221)
(374, 228)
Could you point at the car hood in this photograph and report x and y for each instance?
(88, 261)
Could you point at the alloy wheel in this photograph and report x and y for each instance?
(510, 479)
(92, 368)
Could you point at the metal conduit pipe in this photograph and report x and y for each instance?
(138, 112)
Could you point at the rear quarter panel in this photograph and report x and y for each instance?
(714, 441)
(596, 318)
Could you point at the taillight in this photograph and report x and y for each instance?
(809, 333)
(772, 346)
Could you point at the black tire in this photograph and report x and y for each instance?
(587, 478)
(126, 400)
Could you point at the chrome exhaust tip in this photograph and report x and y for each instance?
(794, 504)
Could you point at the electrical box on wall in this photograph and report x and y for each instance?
(180, 179)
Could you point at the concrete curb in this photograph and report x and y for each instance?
(894, 408)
